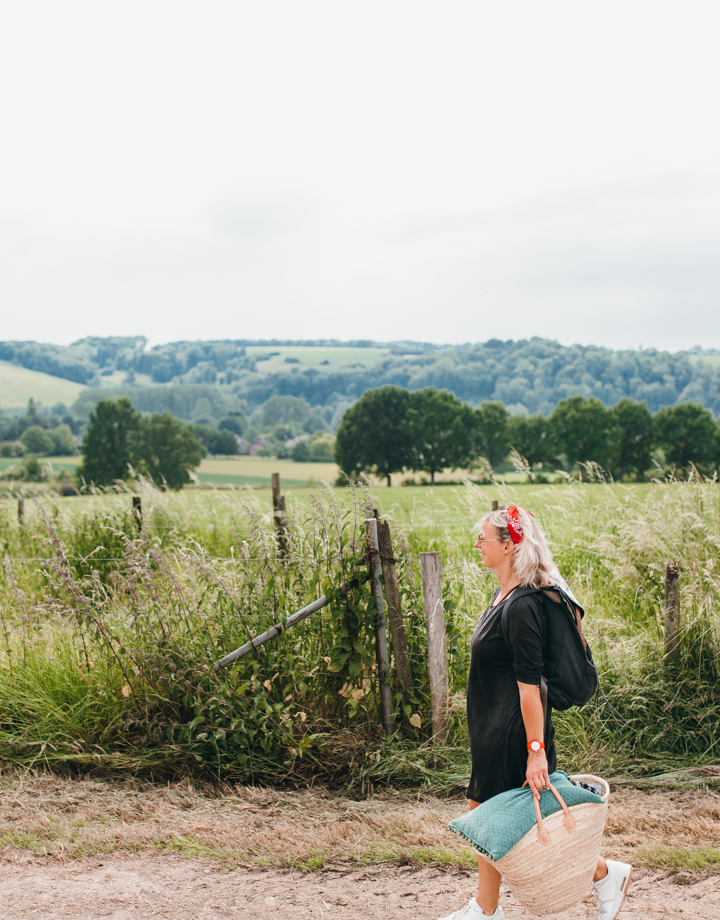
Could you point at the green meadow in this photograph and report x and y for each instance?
(109, 634)
(18, 385)
(309, 356)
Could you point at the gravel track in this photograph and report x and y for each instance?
(164, 886)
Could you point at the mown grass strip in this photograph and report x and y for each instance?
(678, 859)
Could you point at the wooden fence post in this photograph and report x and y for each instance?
(437, 648)
(21, 510)
(137, 511)
(397, 627)
(279, 516)
(672, 609)
(381, 646)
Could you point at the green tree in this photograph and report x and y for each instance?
(215, 440)
(322, 447)
(687, 434)
(634, 436)
(584, 431)
(374, 435)
(301, 452)
(440, 426)
(491, 433)
(33, 471)
(37, 441)
(63, 441)
(234, 421)
(111, 442)
(282, 410)
(169, 449)
(532, 438)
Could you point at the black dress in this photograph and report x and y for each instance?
(498, 741)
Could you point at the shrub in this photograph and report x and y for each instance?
(37, 441)
(11, 449)
(301, 452)
(64, 443)
(322, 447)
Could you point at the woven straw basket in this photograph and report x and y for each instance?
(552, 867)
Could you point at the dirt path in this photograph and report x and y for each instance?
(176, 888)
(72, 849)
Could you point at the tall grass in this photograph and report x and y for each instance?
(109, 635)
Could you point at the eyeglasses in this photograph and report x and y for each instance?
(482, 539)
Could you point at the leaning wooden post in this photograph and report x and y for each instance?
(381, 646)
(21, 510)
(279, 515)
(137, 511)
(672, 609)
(397, 627)
(437, 648)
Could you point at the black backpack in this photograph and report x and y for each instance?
(570, 671)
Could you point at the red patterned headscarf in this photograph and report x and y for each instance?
(513, 524)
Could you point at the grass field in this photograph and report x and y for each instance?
(257, 472)
(234, 471)
(437, 512)
(117, 379)
(18, 385)
(206, 573)
(712, 360)
(240, 471)
(57, 463)
(322, 358)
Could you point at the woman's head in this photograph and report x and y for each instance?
(514, 534)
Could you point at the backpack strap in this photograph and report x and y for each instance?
(523, 592)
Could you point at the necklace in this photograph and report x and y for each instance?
(504, 597)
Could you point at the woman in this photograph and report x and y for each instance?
(511, 741)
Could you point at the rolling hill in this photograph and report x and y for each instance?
(18, 385)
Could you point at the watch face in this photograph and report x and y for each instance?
(535, 745)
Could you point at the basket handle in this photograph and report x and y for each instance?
(568, 821)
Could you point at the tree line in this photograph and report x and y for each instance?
(529, 376)
(49, 435)
(391, 430)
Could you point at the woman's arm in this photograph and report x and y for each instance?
(532, 713)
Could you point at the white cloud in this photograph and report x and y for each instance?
(402, 170)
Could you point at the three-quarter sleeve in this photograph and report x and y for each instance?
(526, 624)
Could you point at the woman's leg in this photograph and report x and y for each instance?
(601, 870)
(610, 884)
(488, 895)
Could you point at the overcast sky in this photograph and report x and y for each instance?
(437, 171)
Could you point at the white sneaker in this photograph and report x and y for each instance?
(611, 890)
(472, 911)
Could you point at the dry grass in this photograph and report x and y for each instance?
(47, 815)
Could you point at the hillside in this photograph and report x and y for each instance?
(527, 376)
(18, 385)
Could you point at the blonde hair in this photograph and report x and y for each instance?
(532, 560)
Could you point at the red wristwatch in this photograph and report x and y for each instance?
(536, 746)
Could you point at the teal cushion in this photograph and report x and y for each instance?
(494, 827)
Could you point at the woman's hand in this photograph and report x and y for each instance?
(537, 772)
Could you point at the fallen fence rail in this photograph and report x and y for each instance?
(278, 628)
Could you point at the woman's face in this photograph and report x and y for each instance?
(493, 551)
